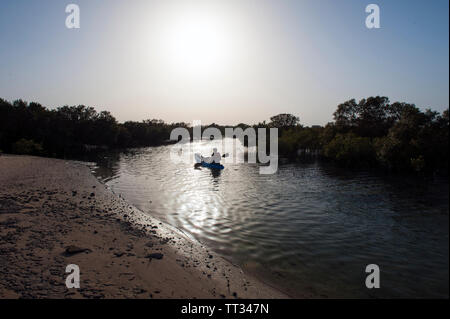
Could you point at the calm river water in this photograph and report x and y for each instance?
(310, 229)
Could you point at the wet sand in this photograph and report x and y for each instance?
(49, 208)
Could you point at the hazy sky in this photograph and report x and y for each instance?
(223, 61)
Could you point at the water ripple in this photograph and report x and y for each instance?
(307, 227)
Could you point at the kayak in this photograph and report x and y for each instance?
(199, 160)
(213, 165)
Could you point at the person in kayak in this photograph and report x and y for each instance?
(215, 157)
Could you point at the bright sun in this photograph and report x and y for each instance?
(197, 45)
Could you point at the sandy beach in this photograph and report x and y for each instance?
(54, 213)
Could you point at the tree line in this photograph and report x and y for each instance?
(70, 131)
(375, 133)
(370, 133)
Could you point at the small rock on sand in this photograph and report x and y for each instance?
(155, 256)
(73, 250)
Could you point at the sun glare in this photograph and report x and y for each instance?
(197, 45)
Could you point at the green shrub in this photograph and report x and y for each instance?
(287, 145)
(351, 150)
(27, 147)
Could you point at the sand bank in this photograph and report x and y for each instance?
(48, 205)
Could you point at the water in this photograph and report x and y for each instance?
(310, 229)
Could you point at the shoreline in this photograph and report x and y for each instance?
(48, 205)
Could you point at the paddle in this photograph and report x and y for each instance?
(199, 159)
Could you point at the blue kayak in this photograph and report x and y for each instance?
(213, 165)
